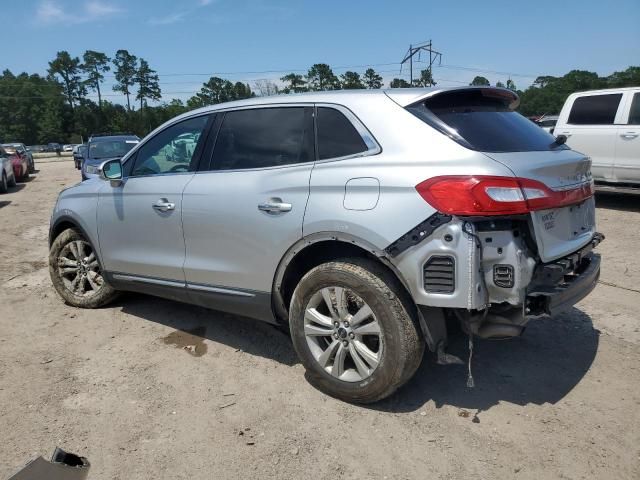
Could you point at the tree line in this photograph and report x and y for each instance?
(57, 107)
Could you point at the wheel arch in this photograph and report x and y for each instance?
(63, 222)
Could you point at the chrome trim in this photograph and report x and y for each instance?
(224, 291)
(154, 281)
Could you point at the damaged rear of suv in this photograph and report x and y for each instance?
(359, 221)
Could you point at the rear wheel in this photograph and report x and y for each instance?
(353, 331)
(76, 273)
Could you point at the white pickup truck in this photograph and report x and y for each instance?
(605, 125)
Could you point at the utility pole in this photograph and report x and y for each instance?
(417, 49)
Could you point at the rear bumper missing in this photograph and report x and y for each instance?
(561, 284)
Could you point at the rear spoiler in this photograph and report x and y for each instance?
(410, 96)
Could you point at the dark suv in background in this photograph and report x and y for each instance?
(103, 147)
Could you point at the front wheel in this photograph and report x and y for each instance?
(353, 330)
(4, 184)
(76, 273)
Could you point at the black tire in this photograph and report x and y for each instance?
(13, 182)
(4, 185)
(32, 167)
(401, 337)
(102, 296)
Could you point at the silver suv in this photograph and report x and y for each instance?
(362, 222)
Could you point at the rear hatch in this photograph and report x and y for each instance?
(483, 119)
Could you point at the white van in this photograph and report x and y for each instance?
(605, 124)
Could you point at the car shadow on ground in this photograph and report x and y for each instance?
(240, 333)
(4, 203)
(618, 201)
(17, 187)
(541, 366)
(30, 178)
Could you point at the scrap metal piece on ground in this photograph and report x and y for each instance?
(63, 466)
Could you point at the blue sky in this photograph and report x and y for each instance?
(186, 41)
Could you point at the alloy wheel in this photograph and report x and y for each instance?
(343, 334)
(79, 269)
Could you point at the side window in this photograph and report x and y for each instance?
(263, 137)
(595, 109)
(634, 113)
(171, 150)
(337, 137)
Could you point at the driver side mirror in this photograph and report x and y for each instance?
(111, 170)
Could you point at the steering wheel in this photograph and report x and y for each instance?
(178, 168)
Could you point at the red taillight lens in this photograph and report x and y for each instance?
(489, 195)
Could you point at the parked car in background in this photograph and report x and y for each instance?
(79, 154)
(547, 122)
(54, 147)
(19, 160)
(103, 147)
(37, 148)
(67, 148)
(605, 125)
(357, 220)
(7, 176)
(23, 150)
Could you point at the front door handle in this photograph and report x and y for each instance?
(163, 205)
(274, 205)
(629, 135)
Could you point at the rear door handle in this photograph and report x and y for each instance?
(163, 205)
(275, 205)
(629, 135)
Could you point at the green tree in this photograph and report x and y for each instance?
(95, 65)
(399, 83)
(68, 69)
(320, 77)
(351, 81)
(218, 90)
(148, 83)
(511, 85)
(425, 80)
(294, 83)
(500, 84)
(372, 79)
(627, 78)
(479, 81)
(125, 73)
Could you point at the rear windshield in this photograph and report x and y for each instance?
(483, 120)
(110, 148)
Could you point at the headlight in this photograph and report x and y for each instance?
(92, 169)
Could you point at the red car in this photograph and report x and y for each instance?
(19, 161)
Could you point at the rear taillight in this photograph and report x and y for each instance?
(489, 195)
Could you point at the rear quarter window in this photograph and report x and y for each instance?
(337, 137)
(595, 109)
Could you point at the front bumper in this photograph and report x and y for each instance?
(558, 285)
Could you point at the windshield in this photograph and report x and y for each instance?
(10, 149)
(110, 148)
(481, 120)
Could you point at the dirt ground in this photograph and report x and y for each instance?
(117, 386)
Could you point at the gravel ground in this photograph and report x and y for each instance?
(117, 385)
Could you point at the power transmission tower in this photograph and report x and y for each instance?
(418, 49)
